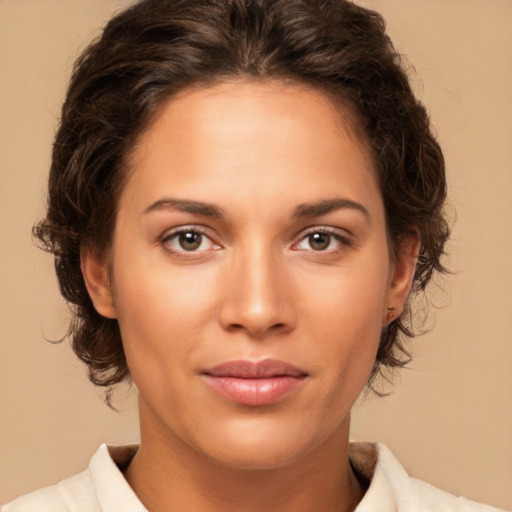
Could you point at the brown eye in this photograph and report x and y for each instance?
(323, 239)
(319, 241)
(190, 241)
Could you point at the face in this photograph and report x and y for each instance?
(251, 272)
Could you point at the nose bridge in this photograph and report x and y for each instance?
(258, 297)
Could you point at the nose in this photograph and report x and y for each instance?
(258, 295)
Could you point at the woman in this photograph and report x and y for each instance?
(242, 197)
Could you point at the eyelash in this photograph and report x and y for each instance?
(342, 241)
(184, 230)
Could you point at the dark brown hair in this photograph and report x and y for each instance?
(157, 47)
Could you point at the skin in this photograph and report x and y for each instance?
(256, 287)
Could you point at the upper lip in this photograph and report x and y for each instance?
(244, 369)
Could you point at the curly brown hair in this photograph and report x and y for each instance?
(158, 47)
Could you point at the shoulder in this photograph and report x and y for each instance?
(70, 495)
(101, 487)
(431, 498)
(391, 488)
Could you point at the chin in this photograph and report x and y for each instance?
(257, 457)
(260, 446)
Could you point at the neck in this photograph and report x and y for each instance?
(167, 474)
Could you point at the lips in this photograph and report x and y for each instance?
(255, 383)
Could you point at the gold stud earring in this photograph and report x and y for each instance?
(391, 312)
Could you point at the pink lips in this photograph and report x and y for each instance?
(254, 383)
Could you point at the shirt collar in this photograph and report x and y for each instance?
(112, 490)
(390, 485)
(373, 462)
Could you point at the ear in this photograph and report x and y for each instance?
(95, 271)
(401, 277)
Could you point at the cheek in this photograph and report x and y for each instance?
(161, 312)
(350, 299)
(345, 319)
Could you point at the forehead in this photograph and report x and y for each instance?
(227, 105)
(278, 139)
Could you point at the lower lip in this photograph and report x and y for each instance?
(254, 392)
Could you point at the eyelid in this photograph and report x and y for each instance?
(343, 236)
(188, 228)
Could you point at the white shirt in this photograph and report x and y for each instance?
(103, 488)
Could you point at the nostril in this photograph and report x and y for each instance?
(235, 327)
(256, 331)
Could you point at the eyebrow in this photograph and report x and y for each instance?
(326, 206)
(185, 205)
(305, 210)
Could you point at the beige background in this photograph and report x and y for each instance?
(450, 418)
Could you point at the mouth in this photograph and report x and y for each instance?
(255, 384)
